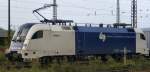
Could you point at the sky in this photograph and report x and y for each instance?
(81, 11)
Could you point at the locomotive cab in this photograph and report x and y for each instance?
(30, 40)
(17, 41)
(141, 46)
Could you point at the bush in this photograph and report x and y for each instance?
(2, 57)
(94, 65)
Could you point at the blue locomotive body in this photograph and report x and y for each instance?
(96, 40)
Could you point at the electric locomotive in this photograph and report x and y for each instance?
(67, 39)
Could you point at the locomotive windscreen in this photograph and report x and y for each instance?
(22, 32)
(19, 37)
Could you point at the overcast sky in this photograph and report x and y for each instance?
(81, 11)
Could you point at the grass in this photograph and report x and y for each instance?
(95, 65)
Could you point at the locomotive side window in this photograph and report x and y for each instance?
(37, 35)
(142, 37)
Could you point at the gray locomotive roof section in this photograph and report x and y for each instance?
(99, 29)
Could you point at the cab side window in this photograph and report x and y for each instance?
(142, 36)
(37, 35)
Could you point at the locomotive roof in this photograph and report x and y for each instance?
(57, 21)
(97, 29)
(104, 29)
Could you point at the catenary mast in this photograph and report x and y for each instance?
(118, 12)
(134, 13)
(54, 10)
(9, 30)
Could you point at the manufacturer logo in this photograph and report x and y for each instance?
(102, 37)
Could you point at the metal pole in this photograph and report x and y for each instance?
(118, 12)
(134, 13)
(9, 31)
(54, 10)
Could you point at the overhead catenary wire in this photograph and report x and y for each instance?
(60, 6)
(24, 8)
(25, 1)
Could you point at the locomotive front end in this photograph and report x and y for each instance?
(17, 43)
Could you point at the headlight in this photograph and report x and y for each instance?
(24, 46)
